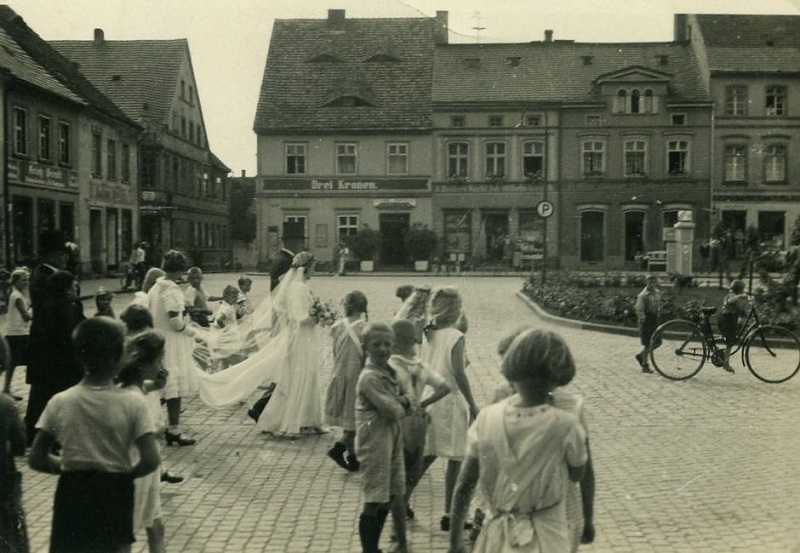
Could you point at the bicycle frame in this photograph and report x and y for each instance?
(714, 350)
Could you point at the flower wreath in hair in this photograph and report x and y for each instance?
(303, 259)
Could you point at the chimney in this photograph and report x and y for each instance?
(680, 27)
(441, 28)
(99, 37)
(336, 19)
(244, 173)
(548, 35)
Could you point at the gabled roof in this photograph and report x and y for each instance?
(298, 94)
(748, 43)
(141, 76)
(557, 72)
(55, 64)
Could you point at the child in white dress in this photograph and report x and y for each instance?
(521, 452)
(444, 352)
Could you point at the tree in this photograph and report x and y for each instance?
(242, 214)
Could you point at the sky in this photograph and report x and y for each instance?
(228, 39)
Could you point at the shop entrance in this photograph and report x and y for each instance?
(496, 227)
(634, 235)
(393, 227)
(592, 236)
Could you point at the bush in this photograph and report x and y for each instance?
(365, 244)
(421, 242)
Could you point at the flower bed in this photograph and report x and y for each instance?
(610, 298)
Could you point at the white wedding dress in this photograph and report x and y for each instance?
(291, 359)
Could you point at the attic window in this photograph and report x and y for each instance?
(472, 63)
(513, 61)
(116, 77)
(350, 92)
(663, 59)
(770, 42)
(587, 60)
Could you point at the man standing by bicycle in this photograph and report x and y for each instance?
(647, 308)
(137, 267)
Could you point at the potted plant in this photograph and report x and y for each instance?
(365, 245)
(421, 244)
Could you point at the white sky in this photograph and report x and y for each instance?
(228, 39)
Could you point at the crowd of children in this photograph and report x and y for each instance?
(400, 394)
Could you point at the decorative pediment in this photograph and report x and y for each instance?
(634, 74)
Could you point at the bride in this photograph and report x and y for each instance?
(290, 358)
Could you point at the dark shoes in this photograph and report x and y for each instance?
(444, 524)
(410, 512)
(178, 439)
(170, 478)
(588, 534)
(353, 463)
(337, 454)
(643, 363)
(729, 369)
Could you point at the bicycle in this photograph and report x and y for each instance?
(770, 352)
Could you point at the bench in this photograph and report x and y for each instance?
(657, 259)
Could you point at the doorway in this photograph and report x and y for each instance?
(96, 238)
(112, 232)
(393, 227)
(634, 234)
(496, 230)
(592, 236)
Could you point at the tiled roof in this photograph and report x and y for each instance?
(555, 72)
(56, 64)
(768, 43)
(295, 89)
(141, 76)
(17, 62)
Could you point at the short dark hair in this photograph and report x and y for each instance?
(174, 261)
(243, 279)
(375, 328)
(355, 302)
(539, 356)
(137, 318)
(98, 344)
(404, 291)
(139, 351)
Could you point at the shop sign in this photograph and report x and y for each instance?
(396, 203)
(27, 172)
(343, 185)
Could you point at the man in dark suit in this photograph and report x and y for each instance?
(282, 262)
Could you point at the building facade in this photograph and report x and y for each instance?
(750, 64)
(183, 197)
(343, 131)
(71, 157)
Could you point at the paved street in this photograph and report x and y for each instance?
(712, 464)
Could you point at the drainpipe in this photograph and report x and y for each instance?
(7, 206)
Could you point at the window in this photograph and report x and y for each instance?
(346, 225)
(635, 101)
(635, 158)
(495, 120)
(148, 170)
(457, 230)
(97, 155)
(775, 164)
(44, 138)
(735, 160)
(191, 94)
(183, 127)
(678, 157)
(735, 100)
(771, 228)
(533, 159)
(199, 135)
(592, 120)
(397, 159)
(191, 132)
(648, 102)
(594, 158)
(295, 159)
(677, 119)
(776, 100)
(457, 121)
(533, 120)
(126, 163)
(20, 131)
(346, 159)
(457, 160)
(183, 89)
(495, 159)
(294, 227)
(621, 101)
(64, 143)
(636, 105)
(111, 155)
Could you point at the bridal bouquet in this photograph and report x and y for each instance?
(323, 313)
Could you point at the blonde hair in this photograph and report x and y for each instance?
(541, 357)
(415, 305)
(18, 273)
(444, 307)
(153, 274)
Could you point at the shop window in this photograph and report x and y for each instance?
(592, 231)
(97, 155)
(533, 159)
(775, 164)
(295, 159)
(23, 231)
(295, 228)
(458, 160)
(735, 163)
(346, 159)
(346, 225)
(772, 229)
(111, 155)
(457, 226)
(20, 131)
(64, 143)
(594, 158)
(397, 158)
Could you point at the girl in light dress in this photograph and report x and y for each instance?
(150, 278)
(521, 452)
(444, 352)
(166, 305)
(348, 358)
(143, 371)
(18, 325)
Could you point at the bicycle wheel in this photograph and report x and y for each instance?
(679, 351)
(772, 353)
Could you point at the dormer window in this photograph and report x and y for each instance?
(350, 92)
(635, 101)
(513, 61)
(587, 60)
(324, 56)
(472, 63)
